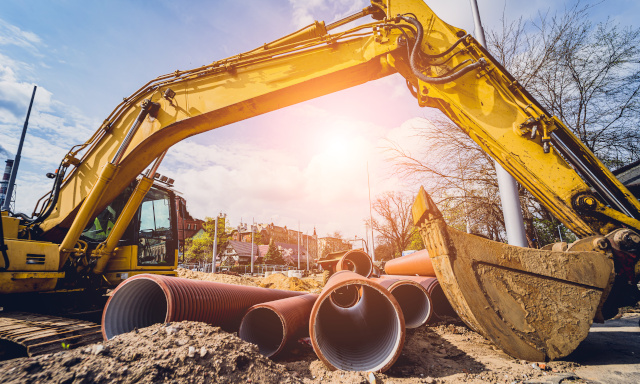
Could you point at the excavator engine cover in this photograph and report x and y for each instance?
(534, 304)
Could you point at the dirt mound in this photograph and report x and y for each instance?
(184, 352)
(280, 281)
(218, 277)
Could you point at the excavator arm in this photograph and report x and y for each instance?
(446, 69)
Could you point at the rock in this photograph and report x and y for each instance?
(97, 349)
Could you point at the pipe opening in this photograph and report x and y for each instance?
(441, 306)
(349, 266)
(364, 337)
(264, 328)
(346, 297)
(358, 262)
(415, 304)
(139, 303)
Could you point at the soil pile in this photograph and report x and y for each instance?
(218, 277)
(191, 352)
(184, 352)
(280, 281)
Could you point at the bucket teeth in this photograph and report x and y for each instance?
(534, 304)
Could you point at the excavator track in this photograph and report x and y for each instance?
(33, 334)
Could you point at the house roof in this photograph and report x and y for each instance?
(244, 249)
(293, 253)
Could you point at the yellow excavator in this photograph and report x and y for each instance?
(534, 304)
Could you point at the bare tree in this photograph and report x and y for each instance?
(395, 226)
(588, 75)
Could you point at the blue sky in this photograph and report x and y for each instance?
(85, 56)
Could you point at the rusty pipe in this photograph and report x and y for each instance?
(146, 299)
(417, 263)
(440, 305)
(366, 335)
(273, 325)
(413, 299)
(356, 261)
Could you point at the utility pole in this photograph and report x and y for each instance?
(298, 245)
(215, 247)
(16, 163)
(252, 251)
(511, 209)
(373, 246)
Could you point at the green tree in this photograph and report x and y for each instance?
(273, 256)
(200, 246)
(416, 241)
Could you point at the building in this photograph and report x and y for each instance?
(187, 225)
(290, 254)
(331, 244)
(239, 253)
(279, 235)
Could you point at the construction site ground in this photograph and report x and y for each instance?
(190, 352)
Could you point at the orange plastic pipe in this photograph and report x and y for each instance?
(356, 325)
(417, 263)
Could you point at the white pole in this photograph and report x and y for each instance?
(511, 209)
(215, 248)
(298, 245)
(373, 246)
(307, 235)
(251, 250)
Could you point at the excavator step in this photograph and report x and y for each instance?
(34, 334)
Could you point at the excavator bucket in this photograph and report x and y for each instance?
(534, 304)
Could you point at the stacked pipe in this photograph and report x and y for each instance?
(417, 263)
(273, 325)
(440, 305)
(418, 267)
(355, 260)
(146, 299)
(413, 298)
(356, 324)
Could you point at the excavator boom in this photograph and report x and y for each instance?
(445, 68)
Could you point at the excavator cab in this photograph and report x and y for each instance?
(150, 242)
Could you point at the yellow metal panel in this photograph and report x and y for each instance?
(27, 255)
(125, 259)
(37, 275)
(10, 226)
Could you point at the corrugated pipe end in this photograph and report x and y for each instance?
(275, 324)
(414, 301)
(441, 306)
(356, 261)
(363, 333)
(263, 327)
(140, 303)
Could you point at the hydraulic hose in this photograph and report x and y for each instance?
(55, 192)
(416, 51)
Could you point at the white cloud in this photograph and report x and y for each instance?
(12, 35)
(53, 129)
(306, 12)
